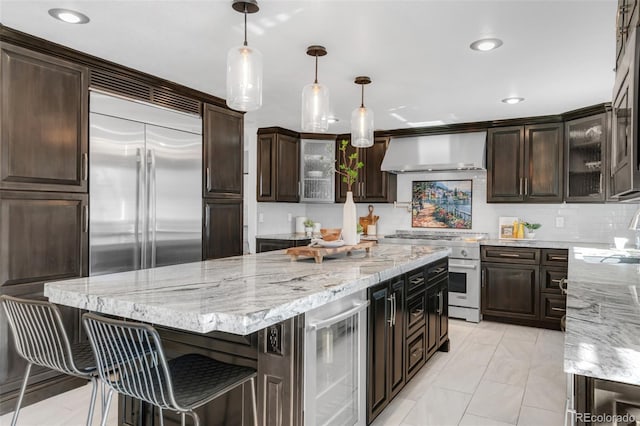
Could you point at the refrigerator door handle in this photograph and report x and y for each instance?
(139, 208)
(153, 204)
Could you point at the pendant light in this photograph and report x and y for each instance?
(244, 68)
(362, 120)
(315, 99)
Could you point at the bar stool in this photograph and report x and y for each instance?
(131, 361)
(40, 338)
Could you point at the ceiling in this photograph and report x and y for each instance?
(559, 55)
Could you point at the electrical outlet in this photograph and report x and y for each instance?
(261, 217)
(289, 217)
(560, 222)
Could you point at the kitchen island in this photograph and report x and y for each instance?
(602, 341)
(247, 310)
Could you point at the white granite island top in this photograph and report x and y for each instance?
(602, 337)
(240, 294)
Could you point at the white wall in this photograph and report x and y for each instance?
(582, 222)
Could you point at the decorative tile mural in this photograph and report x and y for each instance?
(441, 204)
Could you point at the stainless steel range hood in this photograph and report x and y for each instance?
(457, 151)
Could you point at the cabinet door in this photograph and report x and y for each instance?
(443, 313)
(266, 244)
(543, 157)
(552, 308)
(341, 187)
(223, 152)
(43, 122)
(397, 341)
(43, 237)
(510, 291)
(432, 337)
(266, 167)
(505, 164)
(378, 342)
(376, 186)
(288, 169)
(222, 228)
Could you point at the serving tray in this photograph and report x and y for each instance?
(318, 253)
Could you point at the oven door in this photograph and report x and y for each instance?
(464, 283)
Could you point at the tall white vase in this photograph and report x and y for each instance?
(349, 225)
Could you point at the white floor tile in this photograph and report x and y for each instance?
(546, 393)
(460, 375)
(497, 401)
(475, 353)
(537, 417)
(519, 350)
(438, 407)
(507, 371)
(394, 413)
(486, 336)
(471, 420)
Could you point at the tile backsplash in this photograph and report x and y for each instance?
(582, 222)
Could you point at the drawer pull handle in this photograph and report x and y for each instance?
(439, 270)
(509, 255)
(417, 281)
(559, 309)
(417, 312)
(416, 353)
(557, 281)
(563, 258)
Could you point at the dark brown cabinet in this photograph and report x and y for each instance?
(373, 185)
(523, 285)
(626, 20)
(437, 303)
(586, 161)
(524, 163)
(278, 165)
(222, 234)
(271, 244)
(43, 122)
(223, 152)
(43, 237)
(386, 375)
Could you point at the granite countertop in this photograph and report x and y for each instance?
(541, 244)
(602, 337)
(240, 294)
(288, 237)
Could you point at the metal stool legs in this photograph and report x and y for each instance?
(23, 388)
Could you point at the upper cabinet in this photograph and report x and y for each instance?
(625, 144)
(373, 185)
(524, 163)
(317, 164)
(626, 20)
(43, 122)
(223, 152)
(586, 158)
(278, 165)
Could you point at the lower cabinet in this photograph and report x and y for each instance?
(523, 285)
(406, 326)
(43, 237)
(271, 244)
(222, 228)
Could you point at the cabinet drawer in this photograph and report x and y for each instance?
(553, 257)
(437, 270)
(415, 282)
(415, 313)
(553, 306)
(415, 353)
(510, 255)
(551, 278)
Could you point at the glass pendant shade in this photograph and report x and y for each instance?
(362, 127)
(244, 78)
(315, 108)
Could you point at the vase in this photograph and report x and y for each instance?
(349, 225)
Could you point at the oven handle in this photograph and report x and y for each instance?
(453, 265)
(357, 307)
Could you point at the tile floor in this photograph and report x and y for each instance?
(495, 375)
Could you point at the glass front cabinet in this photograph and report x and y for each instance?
(317, 170)
(586, 158)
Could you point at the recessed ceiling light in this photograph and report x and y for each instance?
(512, 100)
(486, 44)
(69, 16)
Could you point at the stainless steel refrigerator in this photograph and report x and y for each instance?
(144, 185)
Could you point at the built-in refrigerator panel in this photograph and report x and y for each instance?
(145, 198)
(115, 232)
(175, 200)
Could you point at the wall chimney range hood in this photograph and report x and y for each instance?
(457, 151)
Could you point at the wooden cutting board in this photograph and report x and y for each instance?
(318, 253)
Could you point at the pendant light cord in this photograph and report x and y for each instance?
(362, 99)
(245, 24)
(316, 80)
